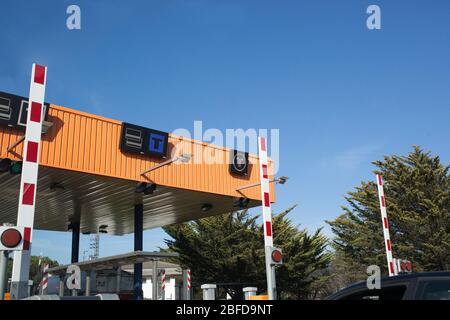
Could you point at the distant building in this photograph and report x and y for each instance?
(107, 280)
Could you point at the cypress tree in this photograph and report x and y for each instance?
(417, 193)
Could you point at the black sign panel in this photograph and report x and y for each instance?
(238, 162)
(136, 139)
(14, 110)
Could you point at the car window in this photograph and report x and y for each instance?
(434, 290)
(386, 293)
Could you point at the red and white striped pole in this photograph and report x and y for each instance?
(189, 280)
(28, 183)
(385, 225)
(267, 217)
(186, 284)
(44, 282)
(163, 284)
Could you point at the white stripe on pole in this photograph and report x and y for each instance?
(163, 284)
(385, 226)
(265, 192)
(189, 279)
(45, 278)
(267, 216)
(28, 183)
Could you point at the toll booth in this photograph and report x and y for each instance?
(102, 175)
(115, 274)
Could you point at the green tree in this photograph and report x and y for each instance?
(417, 196)
(35, 269)
(230, 248)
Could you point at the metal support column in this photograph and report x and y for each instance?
(61, 285)
(138, 245)
(270, 275)
(3, 270)
(155, 280)
(118, 279)
(88, 283)
(274, 286)
(75, 226)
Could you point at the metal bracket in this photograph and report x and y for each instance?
(45, 126)
(15, 144)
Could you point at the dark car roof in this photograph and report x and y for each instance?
(394, 279)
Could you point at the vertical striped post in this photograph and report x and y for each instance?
(385, 225)
(163, 284)
(189, 280)
(28, 183)
(267, 216)
(44, 282)
(186, 292)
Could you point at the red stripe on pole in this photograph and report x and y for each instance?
(388, 243)
(380, 180)
(382, 201)
(386, 223)
(268, 229)
(39, 74)
(263, 144)
(266, 199)
(28, 193)
(36, 111)
(189, 279)
(391, 266)
(32, 151)
(264, 169)
(26, 238)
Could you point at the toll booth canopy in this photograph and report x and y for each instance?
(94, 170)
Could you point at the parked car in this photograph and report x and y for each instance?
(414, 286)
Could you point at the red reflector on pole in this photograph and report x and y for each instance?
(39, 74)
(264, 168)
(276, 256)
(32, 151)
(11, 238)
(268, 228)
(28, 194)
(36, 111)
(266, 199)
(26, 238)
(263, 144)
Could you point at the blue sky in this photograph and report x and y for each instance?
(341, 95)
